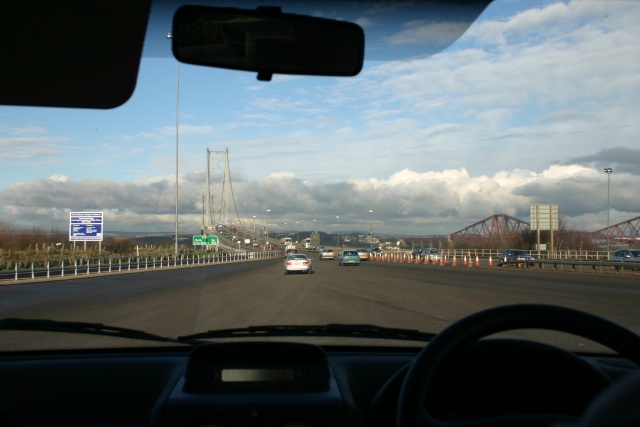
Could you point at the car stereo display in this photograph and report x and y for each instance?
(262, 366)
(256, 375)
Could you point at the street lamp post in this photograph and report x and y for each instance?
(298, 231)
(337, 217)
(170, 36)
(371, 227)
(608, 171)
(267, 230)
(254, 232)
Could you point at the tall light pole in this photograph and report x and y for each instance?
(608, 171)
(371, 227)
(298, 231)
(337, 217)
(170, 36)
(254, 232)
(267, 236)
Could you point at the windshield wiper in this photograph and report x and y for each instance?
(329, 330)
(43, 325)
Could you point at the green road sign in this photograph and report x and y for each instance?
(205, 240)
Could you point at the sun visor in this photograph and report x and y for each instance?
(72, 53)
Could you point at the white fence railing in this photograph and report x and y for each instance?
(63, 267)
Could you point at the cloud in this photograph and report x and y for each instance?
(621, 159)
(25, 148)
(59, 178)
(438, 202)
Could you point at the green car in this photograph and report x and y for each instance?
(349, 258)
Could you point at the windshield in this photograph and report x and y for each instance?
(172, 213)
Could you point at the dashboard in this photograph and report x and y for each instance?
(289, 384)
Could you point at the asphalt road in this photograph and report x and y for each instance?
(174, 302)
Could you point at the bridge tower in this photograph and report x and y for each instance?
(218, 190)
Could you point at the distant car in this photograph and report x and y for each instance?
(349, 257)
(291, 251)
(364, 254)
(431, 253)
(327, 254)
(514, 256)
(416, 253)
(375, 250)
(626, 255)
(297, 263)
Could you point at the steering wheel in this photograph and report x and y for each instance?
(411, 411)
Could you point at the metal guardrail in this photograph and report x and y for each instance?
(574, 265)
(73, 267)
(471, 261)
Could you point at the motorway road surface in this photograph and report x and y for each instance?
(174, 302)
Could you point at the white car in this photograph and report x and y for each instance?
(327, 254)
(298, 263)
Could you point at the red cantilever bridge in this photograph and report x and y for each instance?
(499, 225)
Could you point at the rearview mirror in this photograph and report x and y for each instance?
(266, 41)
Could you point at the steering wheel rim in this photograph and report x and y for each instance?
(411, 411)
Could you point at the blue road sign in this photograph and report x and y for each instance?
(85, 226)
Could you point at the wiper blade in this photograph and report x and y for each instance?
(329, 330)
(44, 325)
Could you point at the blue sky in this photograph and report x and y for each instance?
(528, 107)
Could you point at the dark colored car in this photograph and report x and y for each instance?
(515, 257)
(432, 253)
(291, 251)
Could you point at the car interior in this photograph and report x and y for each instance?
(85, 54)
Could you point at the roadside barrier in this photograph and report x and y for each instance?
(538, 263)
(78, 267)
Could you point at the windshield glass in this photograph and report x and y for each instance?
(172, 214)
